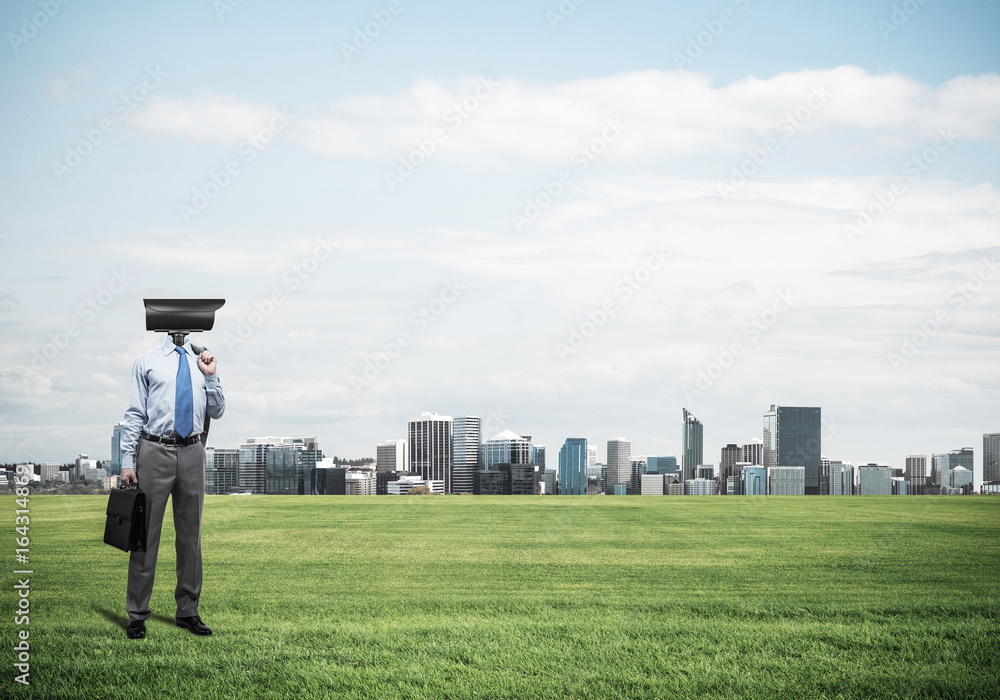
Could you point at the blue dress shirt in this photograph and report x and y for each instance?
(151, 406)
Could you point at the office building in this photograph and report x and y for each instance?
(915, 473)
(360, 482)
(661, 465)
(874, 480)
(222, 470)
(49, 471)
(675, 487)
(792, 438)
(840, 477)
(490, 482)
(652, 484)
(573, 466)
(991, 457)
(693, 442)
(80, 467)
(253, 459)
(754, 481)
(731, 454)
(519, 479)
(430, 447)
(591, 455)
(538, 456)
(701, 487)
(753, 452)
(392, 455)
(900, 486)
(705, 471)
(786, 481)
(619, 462)
(465, 441)
(639, 467)
(285, 471)
(116, 450)
(597, 476)
(961, 479)
(507, 447)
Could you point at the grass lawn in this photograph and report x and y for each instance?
(529, 597)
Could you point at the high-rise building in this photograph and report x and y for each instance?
(692, 440)
(753, 452)
(538, 456)
(792, 438)
(392, 456)
(573, 466)
(786, 481)
(841, 478)
(116, 450)
(430, 447)
(942, 464)
(619, 462)
(652, 484)
(961, 479)
(591, 455)
(291, 469)
(661, 465)
(465, 440)
(754, 481)
(701, 487)
(507, 447)
(222, 469)
(991, 457)
(731, 454)
(874, 480)
(49, 471)
(639, 467)
(915, 473)
(253, 458)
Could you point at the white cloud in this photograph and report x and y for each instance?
(667, 114)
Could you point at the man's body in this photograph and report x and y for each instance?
(163, 453)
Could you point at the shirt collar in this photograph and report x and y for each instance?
(168, 345)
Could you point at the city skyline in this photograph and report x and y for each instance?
(566, 223)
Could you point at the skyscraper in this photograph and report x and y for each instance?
(116, 450)
(392, 456)
(253, 458)
(754, 481)
(221, 470)
(507, 447)
(573, 467)
(731, 454)
(692, 440)
(915, 473)
(430, 447)
(991, 457)
(465, 441)
(753, 452)
(619, 462)
(792, 438)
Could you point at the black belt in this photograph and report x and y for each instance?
(172, 440)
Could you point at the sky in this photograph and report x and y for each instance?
(572, 219)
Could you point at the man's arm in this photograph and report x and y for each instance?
(215, 402)
(135, 419)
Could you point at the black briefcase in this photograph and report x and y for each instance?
(126, 524)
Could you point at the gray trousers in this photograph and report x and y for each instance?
(178, 471)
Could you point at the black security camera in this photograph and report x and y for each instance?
(178, 317)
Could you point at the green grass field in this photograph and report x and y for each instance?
(530, 597)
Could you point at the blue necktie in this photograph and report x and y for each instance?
(183, 398)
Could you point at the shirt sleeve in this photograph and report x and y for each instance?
(135, 416)
(216, 402)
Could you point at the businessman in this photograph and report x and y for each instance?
(162, 452)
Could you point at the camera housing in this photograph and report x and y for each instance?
(178, 317)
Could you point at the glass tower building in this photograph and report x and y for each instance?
(692, 440)
(465, 439)
(792, 438)
(430, 447)
(991, 457)
(573, 467)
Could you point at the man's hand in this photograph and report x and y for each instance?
(206, 362)
(129, 477)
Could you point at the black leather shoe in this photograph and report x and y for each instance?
(193, 624)
(136, 630)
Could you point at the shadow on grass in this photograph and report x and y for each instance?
(122, 620)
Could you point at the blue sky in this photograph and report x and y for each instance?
(732, 211)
